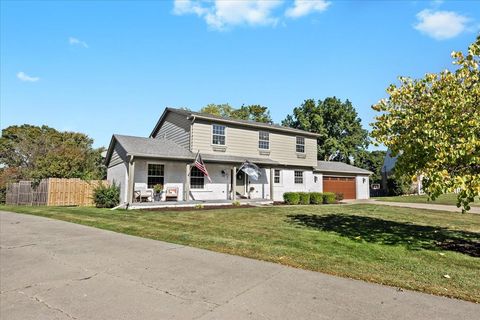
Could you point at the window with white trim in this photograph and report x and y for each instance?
(155, 175)
(300, 145)
(197, 179)
(276, 176)
(263, 140)
(298, 177)
(218, 134)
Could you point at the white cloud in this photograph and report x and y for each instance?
(25, 77)
(220, 14)
(77, 42)
(304, 7)
(441, 25)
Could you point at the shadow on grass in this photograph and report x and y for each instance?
(375, 230)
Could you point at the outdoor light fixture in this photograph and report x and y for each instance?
(364, 180)
(224, 173)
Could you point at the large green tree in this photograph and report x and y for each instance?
(373, 161)
(433, 125)
(253, 112)
(341, 134)
(33, 152)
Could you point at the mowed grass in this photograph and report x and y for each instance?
(448, 199)
(402, 247)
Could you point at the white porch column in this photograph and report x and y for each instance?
(234, 182)
(272, 177)
(186, 195)
(131, 179)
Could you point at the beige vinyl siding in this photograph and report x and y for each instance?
(243, 141)
(119, 155)
(175, 127)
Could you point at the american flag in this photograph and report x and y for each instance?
(201, 166)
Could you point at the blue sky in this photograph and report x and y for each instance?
(111, 67)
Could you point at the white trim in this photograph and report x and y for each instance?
(155, 162)
(258, 142)
(304, 145)
(212, 134)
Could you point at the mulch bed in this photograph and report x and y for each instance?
(205, 207)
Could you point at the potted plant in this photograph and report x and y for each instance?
(158, 189)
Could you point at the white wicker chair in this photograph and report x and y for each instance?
(143, 192)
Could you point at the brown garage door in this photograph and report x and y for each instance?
(345, 185)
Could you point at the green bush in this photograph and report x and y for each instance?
(339, 196)
(329, 198)
(105, 196)
(291, 197)
(316, 198)
(304, 198)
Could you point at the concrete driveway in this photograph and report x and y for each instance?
(57, 270)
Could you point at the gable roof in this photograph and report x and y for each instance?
(340, 167)
(167, 149)
(214, 118)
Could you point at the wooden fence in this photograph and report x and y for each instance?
(52, 192)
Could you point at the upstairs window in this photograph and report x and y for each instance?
(263, 140)
(298, 177)
(218, 135)
(155, 174)
(197, 179)
(300, 145)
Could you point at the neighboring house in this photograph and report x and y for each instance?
(387, 171)
(287, 159)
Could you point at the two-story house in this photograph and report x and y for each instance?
(287, 159)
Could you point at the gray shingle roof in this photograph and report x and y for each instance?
(249, 123)
(340, 167)
(167, 149)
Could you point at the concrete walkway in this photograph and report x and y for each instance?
(57, 270)
(430, 206)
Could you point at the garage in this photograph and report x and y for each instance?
(339, 177)
(343, 185)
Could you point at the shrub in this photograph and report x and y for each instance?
(105, 196)
(236, 203)
(199, 206)
(329, 197)
(316, 198)
(339, 196)
(304, 198)
(291, 197)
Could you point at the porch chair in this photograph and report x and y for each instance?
(143, 192)
(171, 194)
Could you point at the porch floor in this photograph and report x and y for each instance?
(193, 203)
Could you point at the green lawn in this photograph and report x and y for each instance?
(402, 247)
(450, 199)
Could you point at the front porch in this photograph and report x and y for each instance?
(228, 183)
(195, 203)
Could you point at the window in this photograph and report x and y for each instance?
(263, 140)
(218, 134)
(298, 177)
(300, 146)
(276, 176)
(197, 179)
(155, 174)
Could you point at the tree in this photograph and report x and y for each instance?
(373, 161)
(341, 134)
(32, 152)
(433, 125)
(251, 112)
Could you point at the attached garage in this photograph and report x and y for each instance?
(339, 177)
(344, 185)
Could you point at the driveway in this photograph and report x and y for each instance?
(51, 269)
